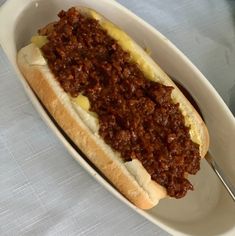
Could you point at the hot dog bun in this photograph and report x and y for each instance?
(130, 178)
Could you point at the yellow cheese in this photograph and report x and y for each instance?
(126, 43)
(82, 101)
(39, 40)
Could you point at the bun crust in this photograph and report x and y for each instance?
(130, 178)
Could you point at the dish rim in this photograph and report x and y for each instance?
(68, 146)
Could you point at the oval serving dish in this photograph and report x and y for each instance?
(206, 211)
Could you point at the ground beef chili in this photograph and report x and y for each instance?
(137, 117)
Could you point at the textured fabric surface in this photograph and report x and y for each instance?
(43, 191)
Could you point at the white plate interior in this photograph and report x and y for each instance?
(206, 211)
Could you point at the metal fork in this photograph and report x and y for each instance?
(223, 178)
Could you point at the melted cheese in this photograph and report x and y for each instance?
(127, 45)
(82, 101)
(39, 40)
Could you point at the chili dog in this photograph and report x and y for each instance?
(117, 105)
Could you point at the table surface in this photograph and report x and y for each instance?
(43, 190)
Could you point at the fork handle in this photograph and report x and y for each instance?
(224, 179)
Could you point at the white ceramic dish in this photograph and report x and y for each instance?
(206, 211)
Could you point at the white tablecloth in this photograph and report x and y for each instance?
(43, 191)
